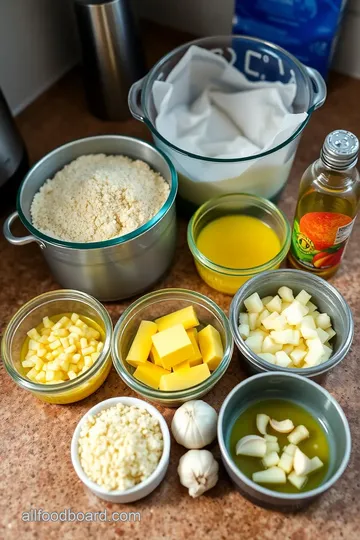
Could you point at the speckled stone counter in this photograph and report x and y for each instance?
(35, 466)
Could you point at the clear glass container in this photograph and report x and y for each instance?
(221, 278)
(29, 316)
(150, 307)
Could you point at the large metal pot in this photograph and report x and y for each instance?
(116, 268)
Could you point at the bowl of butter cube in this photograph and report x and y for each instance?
(57, 346)
(172, 345)
(290, 320)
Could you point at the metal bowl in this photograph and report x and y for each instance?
(308, 395)
(112, 269)
(325, 296)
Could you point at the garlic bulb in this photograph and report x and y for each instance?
(198, 471)
(194, 424)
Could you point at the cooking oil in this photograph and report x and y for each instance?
(327, 206)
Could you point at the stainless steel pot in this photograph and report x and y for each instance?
(116, 268)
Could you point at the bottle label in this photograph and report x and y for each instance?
(319, 238)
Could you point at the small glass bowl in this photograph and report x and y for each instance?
(229, 280)
(150, 307)
(29, 316)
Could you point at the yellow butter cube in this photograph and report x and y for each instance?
(183, 365)
(155, 358)
(173, 346)
(179, 380)
(195, 359)
(150, 374)
(186, 316)
(211, 346)
(141, 346)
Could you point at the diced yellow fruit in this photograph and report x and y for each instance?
(83, 342)
(33, 345)
(58, 375)
(32, 373)
(183, 365)
(100, 346)
(150, 374)
(80, 324)
(173, 345)
(50, 375)
(55, 344)
(179, 380)
(141, 346)
(88, 361)
(194, 359)
(87, 351)
(34, 334)
(211, 346)
(76, 330)
(47, 322)
(70, 349)
(254, 304)
(39, 364)
(80, 364)
(94, 356)
(76, 357)
(49, 357)
(28, 363)
(155, 358)
(74, 317)
(41, 377)
(41, 352)
(65, 365)
(71, 375)
(74, 367)
(186, 316)
(92, 333)
(65, 342)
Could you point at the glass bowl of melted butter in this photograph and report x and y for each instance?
(234, 237)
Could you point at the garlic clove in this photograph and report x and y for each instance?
(302, 464)
(272, 447)
(271, 459)
(270, 438)
(262, 421)
(286, 462)
(251, 445)
(299, 434)
(285, 426)
(297, 480)
(290, 449)
(315, 464)
(273, 475)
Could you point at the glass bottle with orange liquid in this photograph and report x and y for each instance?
(328, 202)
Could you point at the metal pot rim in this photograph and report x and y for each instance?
(113, 241)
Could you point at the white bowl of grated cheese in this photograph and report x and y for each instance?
(120, 449)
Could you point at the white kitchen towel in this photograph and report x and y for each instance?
(207, 107)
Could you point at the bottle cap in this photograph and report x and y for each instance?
(340, 150)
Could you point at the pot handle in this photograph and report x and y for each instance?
(18, 240)
(134, 99)
(319, 87)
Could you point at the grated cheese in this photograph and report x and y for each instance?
(98, 197)
(120, 447)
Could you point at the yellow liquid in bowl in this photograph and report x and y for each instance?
(237, 242)
(83, 390)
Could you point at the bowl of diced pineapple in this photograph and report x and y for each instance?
(290, 320)
(57, 346)
(172, 345)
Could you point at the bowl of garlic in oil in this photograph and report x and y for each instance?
(284, 440)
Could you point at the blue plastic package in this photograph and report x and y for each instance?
(306, 28)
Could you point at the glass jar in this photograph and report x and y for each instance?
(29, 316)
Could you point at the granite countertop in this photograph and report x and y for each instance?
(35, 465)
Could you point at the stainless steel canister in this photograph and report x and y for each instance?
(116, 268)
